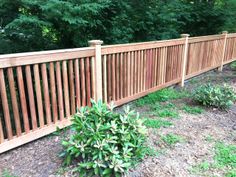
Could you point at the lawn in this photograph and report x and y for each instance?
(184, 138)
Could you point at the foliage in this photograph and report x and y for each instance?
(162, 96)
(27, 25)
(220, 96)
(156, 123)
(165, 110)
(6, 173)
(225, 155)
(193, 109)
(107, 142)
(233, 66)
(231, 173)
(171, 139)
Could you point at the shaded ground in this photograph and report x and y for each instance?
(198, 132)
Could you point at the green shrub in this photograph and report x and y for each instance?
(233, 66)
(220, 96)
(107, 142)
(156, 123)
(192, 109)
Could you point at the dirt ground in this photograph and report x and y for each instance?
(40, 158)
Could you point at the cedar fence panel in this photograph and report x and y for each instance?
(40, 91)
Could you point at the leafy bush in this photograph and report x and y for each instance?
(107, 142)
(220, 96)
(233, 66)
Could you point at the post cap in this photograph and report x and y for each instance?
(224, 32)
(184, 35)
(95, 42)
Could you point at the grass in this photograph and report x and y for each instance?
(165, 110)
(225, 155)
(224, 159)
(162, 96)
(192, 109)
(156, 123)
(171, 139)
(6, 173)
(233, 66)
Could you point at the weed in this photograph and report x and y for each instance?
(200, 168)
(233, 66)
(225, 155)
(171, 139)
(193, 109)
(165, 110)
(231, 173)
(6, 173)
(161, 96)
(209, 138)
(156, 123)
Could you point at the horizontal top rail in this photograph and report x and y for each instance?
(20, 59)
(205, 38)
(231, 35)
(119, 48)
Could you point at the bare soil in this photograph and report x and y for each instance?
(41, 158)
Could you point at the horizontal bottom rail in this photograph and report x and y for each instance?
(33, 135)
(142, 94)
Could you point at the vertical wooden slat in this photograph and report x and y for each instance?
(132, 73)
(21, 88)
(121, 76)
(88, 85)
(39, 95)
(46, 93)
(83, 87)
(66, 88)
(72, 87)
(53, 93)
(31, 97)
(14, 101)
(5, 105)
(113, 72)
(59, 90)
(77, 83)
(105, 78)
(1, 132)
(117, 77)
(128, 73)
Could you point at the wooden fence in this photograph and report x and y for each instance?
(39, 91)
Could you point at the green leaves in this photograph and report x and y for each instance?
(215, 95)
(107, 142)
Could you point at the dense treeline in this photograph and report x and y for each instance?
(27, 25)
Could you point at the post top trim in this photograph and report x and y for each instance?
(224, 32)
(185, 35)
(95, 42)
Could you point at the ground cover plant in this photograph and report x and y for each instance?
(171, 139)
(224, 159)
(107, 142)
(233, 66)
(219, 96)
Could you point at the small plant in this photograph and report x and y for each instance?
(193, 109)
(171, 139)
(156, 123)
(225, 155)
(6, 173)
(233, 66)
(231, 173)
(107, 142)
(165, 110)
(220, 96)
(161, 96)
(201, 168)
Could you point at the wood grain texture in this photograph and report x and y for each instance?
(21, 90)
(5, 106)
(31, 97)
(53, 92)
(46, 94)
(14, 101)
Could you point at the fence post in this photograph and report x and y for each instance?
(98, 68)
(186, 36)
(225, 34)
